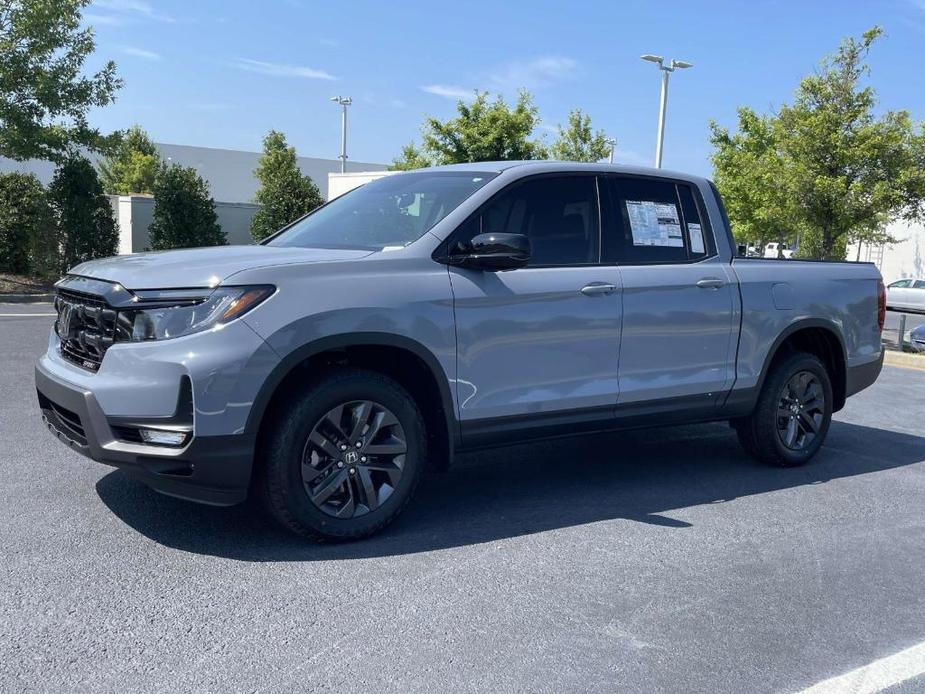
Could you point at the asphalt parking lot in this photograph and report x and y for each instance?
(644, 561)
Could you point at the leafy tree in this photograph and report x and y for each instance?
(835, 173)
(577, 142)
(184, 212)
(284, 194)
(410, 158)
(86, 225)
(44, 95)
(484, 131)
(748, 169)
(27, 240)
(132, 165)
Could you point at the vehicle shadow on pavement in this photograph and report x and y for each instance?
(640, 476)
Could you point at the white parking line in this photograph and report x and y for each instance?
(24, 315)
(876, 676)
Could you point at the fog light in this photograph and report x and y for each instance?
(160, 437)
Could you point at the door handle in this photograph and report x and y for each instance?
(596, 288)
(710, 283)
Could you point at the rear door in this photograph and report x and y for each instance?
(540, 341)
(678, 339)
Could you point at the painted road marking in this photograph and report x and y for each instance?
(25, 315)
(876, 676)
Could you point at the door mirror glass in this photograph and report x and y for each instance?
(496, 251)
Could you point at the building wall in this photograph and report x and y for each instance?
(340, 183)
(906, 258)
(230, 173)
(135, 212)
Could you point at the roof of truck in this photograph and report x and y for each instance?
(549, 166)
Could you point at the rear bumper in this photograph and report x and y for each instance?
(859, 377)
(209, 469)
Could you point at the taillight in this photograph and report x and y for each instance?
(881, 304)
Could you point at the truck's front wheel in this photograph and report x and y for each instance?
(341, 460)
(793, 413)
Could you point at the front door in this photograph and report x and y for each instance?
(543, 340)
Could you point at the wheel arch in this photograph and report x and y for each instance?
(409, 362)
(821, 338)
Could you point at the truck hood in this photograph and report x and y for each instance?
(202, 267)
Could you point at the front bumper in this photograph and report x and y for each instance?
(209, 469)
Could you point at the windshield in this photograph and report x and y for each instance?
(390, 211)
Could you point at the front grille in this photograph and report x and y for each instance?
(86, 326)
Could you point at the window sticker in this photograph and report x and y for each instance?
(654, 223)
(696, 233)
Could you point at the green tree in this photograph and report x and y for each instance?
(484, 131)
(86, 225)
(27, 230)
(836, 172)
(284, 194)
(184, 211)
(578, 142)
(410, 158)
(132, 165)
(44, 94)
(748, 169)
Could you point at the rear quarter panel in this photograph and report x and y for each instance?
(778, 294)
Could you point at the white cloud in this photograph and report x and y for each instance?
(139, 8)
(507, 79)
(281, 70)
(141, 53)
(102, 19)
(449, 91)
(533, 74)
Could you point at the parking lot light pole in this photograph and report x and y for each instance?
(344, 102)
(613, 145)
(663, 104)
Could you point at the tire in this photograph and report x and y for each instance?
(326, 475)
(787, 427)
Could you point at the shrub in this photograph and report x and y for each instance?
(87, 228)
(284, 194)
(133, 166)
(27, 231)
(184, 212)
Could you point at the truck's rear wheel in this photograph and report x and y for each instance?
(343, 459)
(793, 413)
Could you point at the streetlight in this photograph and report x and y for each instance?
(613, 145)
(666, 70)
(344, 102)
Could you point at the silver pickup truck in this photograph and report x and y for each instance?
(442, 310)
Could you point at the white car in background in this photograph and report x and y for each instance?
(907, 294)
(778, 250)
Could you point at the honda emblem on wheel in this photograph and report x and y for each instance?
(350, 457)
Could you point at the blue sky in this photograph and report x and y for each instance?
(221, 73)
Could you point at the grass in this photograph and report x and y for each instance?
(22, 284)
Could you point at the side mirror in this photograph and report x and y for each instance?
(497, 251)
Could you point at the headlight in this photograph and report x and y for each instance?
(173, 313)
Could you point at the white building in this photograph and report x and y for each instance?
(230, 174)
(906, 258)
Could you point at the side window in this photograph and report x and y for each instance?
(919, 284)
(654, 221)
(900, 284)
(558, 214)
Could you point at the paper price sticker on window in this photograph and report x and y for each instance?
(696, 233)
(654, 223)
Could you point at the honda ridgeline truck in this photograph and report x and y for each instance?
(443, 310)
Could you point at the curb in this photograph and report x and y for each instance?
(905, 360)
(26, 298)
